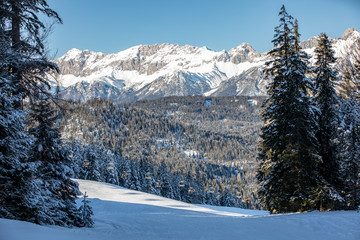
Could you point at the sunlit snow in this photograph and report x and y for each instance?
(127, 214)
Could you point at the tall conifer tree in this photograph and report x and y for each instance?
(35, 184)
(349, 131)
(59, 191)
(288, 149)
(327, 102)
(17, 188)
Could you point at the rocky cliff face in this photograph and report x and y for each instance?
(153, 71)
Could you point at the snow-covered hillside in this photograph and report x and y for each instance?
(126, 214)
(153, 71)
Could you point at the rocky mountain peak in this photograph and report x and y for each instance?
(244, 47)
(349, 32)
(243, 52)
(72, 53)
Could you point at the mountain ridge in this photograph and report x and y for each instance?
(159, 70)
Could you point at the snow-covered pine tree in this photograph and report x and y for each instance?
(16, 196)
(147, 180)
(86, 212)
(349, 135)
(350, 85)
(92, 158)
(76, 149)
(110, 171)
(25, 37)
(289, 149)
(125, 173)
(48, 192)
(59, 192)
(18, 188)
(349, 132)
(327, 102)
(163, 177)
(134, 176)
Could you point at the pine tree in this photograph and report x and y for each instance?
(17, 187)
(147, 181)
(42, 191)
(110, 172)
(327, 103)
(297, 36)
(163, 176)
(349, 131)
(349, 134)
(86, 212)
(91, 164)
(25, 36)
(288, 149)
(16, 196)
(59, 191)
(350, 85)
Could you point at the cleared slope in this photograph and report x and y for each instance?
(126, 214)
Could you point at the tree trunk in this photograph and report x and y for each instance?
(15, 45)
(15, 27)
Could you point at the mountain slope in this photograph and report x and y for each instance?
(153, 71)
(125, 214)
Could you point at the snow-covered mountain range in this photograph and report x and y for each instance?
(153, 71)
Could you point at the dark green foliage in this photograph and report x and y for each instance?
(349, 132)
(288, 149)
(23, 16)
(23, 33)
(86, 212)
(163, 182)
(349, 136)
(17, 195)
(35, 180)
(58, 191)
(327, 102)
(17, 188)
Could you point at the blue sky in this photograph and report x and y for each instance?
(111, 26)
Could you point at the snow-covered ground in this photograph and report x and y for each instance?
(126, 214)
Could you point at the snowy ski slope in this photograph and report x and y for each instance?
(126, 214)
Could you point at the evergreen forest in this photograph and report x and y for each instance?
(170, 146)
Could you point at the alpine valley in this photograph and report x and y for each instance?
(147, 72)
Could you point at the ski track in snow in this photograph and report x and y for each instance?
(127, 214)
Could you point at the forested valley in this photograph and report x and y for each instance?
(195, 149)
